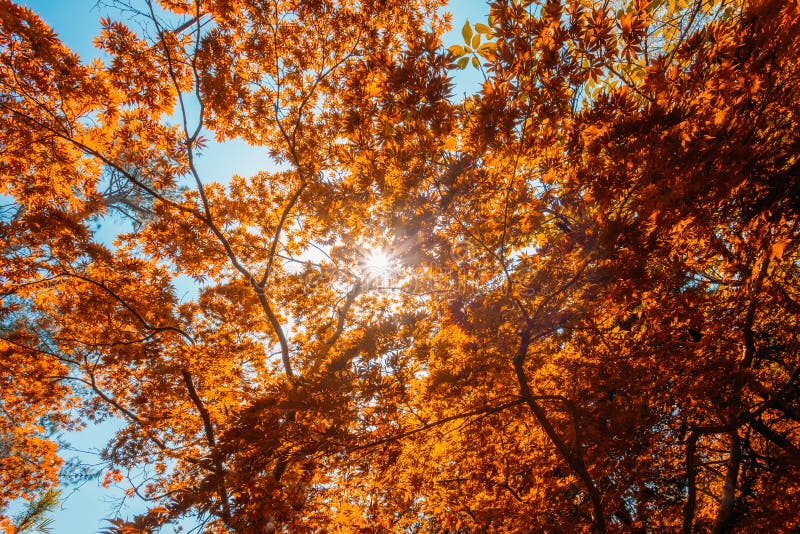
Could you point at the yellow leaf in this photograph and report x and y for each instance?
(482, 28)
(457, 50)
(778, 248)
(466, 31)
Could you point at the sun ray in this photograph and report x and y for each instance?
(377, 264)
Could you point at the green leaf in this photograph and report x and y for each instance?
(35, 516)
(466, 31)
(462, 63)
(483, 28)
(457, 50)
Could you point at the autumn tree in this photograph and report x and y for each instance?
(565, 303)
(627, 252)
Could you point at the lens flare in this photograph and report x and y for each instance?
(377, 264)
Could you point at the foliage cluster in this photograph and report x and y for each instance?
(590, 321)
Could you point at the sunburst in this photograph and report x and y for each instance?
(377, 264)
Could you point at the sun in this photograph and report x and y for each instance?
(377, 264)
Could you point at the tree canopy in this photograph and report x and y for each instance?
(569, 302)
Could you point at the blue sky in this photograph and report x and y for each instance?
(77, 23)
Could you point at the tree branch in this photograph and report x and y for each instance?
(572, 459)
(208, 427)
(691, 476)
(725, 515)
(130, 308)
(480, 411)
